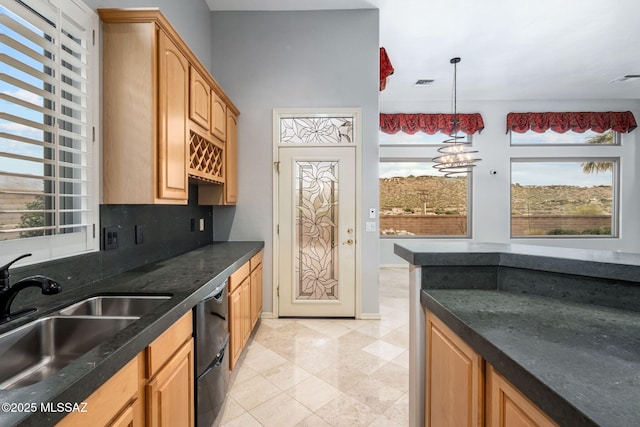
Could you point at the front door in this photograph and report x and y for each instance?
(317, 223)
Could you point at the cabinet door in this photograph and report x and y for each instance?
(170, 400)
(173, 137)
(235, 326)
(120, 391)
(199, 100)
(128, 417)
(454, 383)
(245, 297)
(231, 160)
(507, 407)
(218, 117)
(256, 294)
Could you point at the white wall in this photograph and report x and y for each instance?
(491, 193)
(314, 59)
(191, 19)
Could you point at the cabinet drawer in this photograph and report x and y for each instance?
(118, 391)
(161, 350)
(256, 260)
(239, 275)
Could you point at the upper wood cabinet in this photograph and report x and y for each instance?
(173, 78)
(231, 160)
(218, 117)
(165, 117)
(200, 100)
(145, 79)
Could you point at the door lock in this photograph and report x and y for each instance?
(348, 242)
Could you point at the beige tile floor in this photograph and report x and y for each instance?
(327, 372)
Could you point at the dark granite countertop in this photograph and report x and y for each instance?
(187, 278)
(579, 363)
(561, 324)
(602, 264)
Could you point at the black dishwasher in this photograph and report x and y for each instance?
(211, 332)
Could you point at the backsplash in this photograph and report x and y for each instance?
(166, 232)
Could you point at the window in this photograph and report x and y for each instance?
(48, 153)
(550, 137)
(417, 200)
(417, 139)
(564, 197)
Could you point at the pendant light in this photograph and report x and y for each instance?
(456, 156)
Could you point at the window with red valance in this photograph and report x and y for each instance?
(430, 123)
(576, 122)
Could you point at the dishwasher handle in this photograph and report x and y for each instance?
(218, 293)
(218, 359)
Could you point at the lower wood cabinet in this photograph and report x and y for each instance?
(458, 394)
(116, 402)
(170, 400)
(245, 304)
(455, 383)
(507, 407)
(156, 388)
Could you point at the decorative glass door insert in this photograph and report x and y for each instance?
(316, 272)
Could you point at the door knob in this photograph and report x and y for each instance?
(348, 242)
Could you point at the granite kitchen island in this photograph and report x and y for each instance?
(561, 325)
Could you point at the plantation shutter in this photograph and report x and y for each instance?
(46, 135)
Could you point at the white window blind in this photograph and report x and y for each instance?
(48, 169)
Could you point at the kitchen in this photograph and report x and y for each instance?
(279, 84)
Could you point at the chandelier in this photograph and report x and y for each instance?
(456, 156)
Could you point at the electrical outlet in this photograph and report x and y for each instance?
(110, 238)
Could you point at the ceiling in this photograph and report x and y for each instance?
(548, 49)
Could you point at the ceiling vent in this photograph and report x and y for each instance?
(423, 82)
(626, 78)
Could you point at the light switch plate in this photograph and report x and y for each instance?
(370, 226)
(201, 224)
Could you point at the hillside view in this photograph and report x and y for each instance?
(447, 196)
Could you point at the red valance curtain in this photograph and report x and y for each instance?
(386, 69)
(430, 123)
(576, 122)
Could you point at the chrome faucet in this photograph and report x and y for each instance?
(8, 293)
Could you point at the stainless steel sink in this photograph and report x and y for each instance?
(134, 305)
(38, 349)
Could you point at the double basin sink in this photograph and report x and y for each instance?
(37, 350)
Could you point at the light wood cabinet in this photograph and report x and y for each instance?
(200, 102)
(245, 305)
(256, 288)
(218, 117)
(170, 393)
(457, 393)
(231, 160)
(508, 407)
(173, 93)
(122, 392)
(235, 327)
(145, 79)
(170, 379)
(455, 383)
(166, 119)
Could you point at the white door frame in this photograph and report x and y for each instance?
(357, 141)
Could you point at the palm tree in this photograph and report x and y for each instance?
(597, 167)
